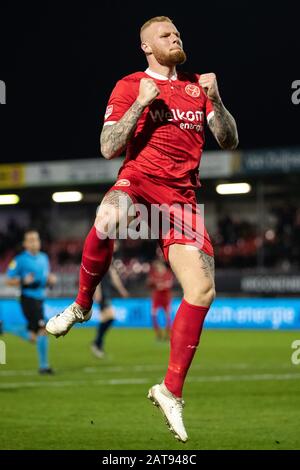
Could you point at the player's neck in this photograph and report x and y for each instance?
(166, 71)
(33, 253)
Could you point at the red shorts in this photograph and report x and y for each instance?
(161, 300)
(185, 224)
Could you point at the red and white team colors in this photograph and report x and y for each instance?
(164, 153)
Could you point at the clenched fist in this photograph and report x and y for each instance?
(208, 81)
(148, 91)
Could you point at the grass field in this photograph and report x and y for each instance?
(242, 393)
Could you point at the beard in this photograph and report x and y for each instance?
(175, 57)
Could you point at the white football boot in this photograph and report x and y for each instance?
(171, 407)
(63, 322)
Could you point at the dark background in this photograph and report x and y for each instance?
(60, 64)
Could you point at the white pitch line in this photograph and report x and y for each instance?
(102, 368)
(71, 383)
(249, 377)
(127, 381)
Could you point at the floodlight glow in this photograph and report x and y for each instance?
(8, 199)
(233, 188)
(67, 196)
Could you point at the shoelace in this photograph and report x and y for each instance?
(178, 405)
(78, 313)
(69, 316)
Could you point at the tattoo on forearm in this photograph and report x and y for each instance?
(115, 137)
(223, 127)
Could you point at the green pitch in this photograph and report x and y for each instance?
(242, 393)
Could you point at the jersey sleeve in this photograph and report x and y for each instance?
(13, 269)
(209, 110)
(119, 102)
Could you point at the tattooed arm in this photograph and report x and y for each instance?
(223, 127)
(222, 124)
(114, 138)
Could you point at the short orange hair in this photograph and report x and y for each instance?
(156, 19)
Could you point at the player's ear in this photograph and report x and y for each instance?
(146, 48)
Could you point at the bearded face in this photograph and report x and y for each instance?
(161, 41)
(173, 56)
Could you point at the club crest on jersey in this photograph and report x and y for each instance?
(192, 90)
(123, 182)
(108, 111)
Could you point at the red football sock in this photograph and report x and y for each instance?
(96, 259)
(185, 338)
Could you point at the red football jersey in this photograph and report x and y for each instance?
(161, 282)
(169, 136)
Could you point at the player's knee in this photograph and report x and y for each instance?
(107, 220)
(212, 294)
(200, 294)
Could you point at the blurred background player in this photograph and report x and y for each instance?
(30, 271)
(103, 296)
(160, 280)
